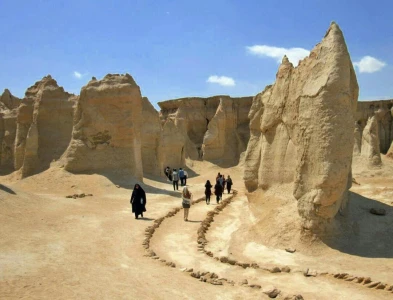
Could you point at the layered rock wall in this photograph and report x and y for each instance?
(44, 126)
(214, 129)
(302, 131)
(107, 128)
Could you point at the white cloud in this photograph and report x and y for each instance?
(77, 75)
(369, 64)
(293, 54)
(222, 80)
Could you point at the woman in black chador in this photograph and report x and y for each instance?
(208, 191)
(138, 201)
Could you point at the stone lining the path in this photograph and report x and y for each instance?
(202, 242)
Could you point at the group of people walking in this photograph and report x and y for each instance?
(174, 176)
(219, 187)
(138, 197)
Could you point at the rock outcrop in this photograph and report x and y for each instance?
(302, 131)
(8, 100)
(8, 113)
(214, 129)
(382, 110)
(150, 135)
(107, 128)
(171, 149)
(370, 143)
(44, 126)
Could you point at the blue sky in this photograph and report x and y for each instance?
(172, 48)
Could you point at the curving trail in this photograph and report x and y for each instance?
(202, 246)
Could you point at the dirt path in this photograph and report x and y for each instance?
(176, 241)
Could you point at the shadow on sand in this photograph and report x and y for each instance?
(362, 233)
(127, 182)
(145, 219)
(7, 189)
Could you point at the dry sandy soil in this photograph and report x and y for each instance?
(52, 247)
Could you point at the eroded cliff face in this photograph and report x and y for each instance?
(8, 114)
(107, 128)
(44, 126)
(150, 136)
(214, 129)
(382, 110)
(302, 131)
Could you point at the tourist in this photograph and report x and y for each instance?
(185, 177)
(218, 191)
(186, 202)
(218, 176)
(229, 184)
(167, 173)
(175, 180)
(138, 201)
(208, 191)
(170, 175)
(223, 183)
(181, 176)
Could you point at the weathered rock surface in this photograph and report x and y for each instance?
(150, 135)
(214, 129)
(44, 126)
(23, 122)
(389, 154)
(370, 143)
(382, 110)
(107, 128)
(302, 131)
(9, 101)
(7, 139)
(171, 148)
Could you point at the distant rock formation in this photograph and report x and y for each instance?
(213, 129)
(107, 128)
(8, 100)
(383, 112)
(302, 131)
(8, 112)
(150, 136)
(44, 126)
(370, 143)
(171, 151)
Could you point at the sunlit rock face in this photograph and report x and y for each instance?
(302, 131)
(106, 132)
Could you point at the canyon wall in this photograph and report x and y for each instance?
(213, 129)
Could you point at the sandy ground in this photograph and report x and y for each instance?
(52, 247)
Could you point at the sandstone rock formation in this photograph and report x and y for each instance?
(8, 112)
(383, 112)
(8, 100)
(107, 128)
(215, 128)
(150, 135)
(302, 131)
(389, 154)
(44, 126)
(370, 142)
(171, 149)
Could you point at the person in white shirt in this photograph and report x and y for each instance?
(186, 202)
